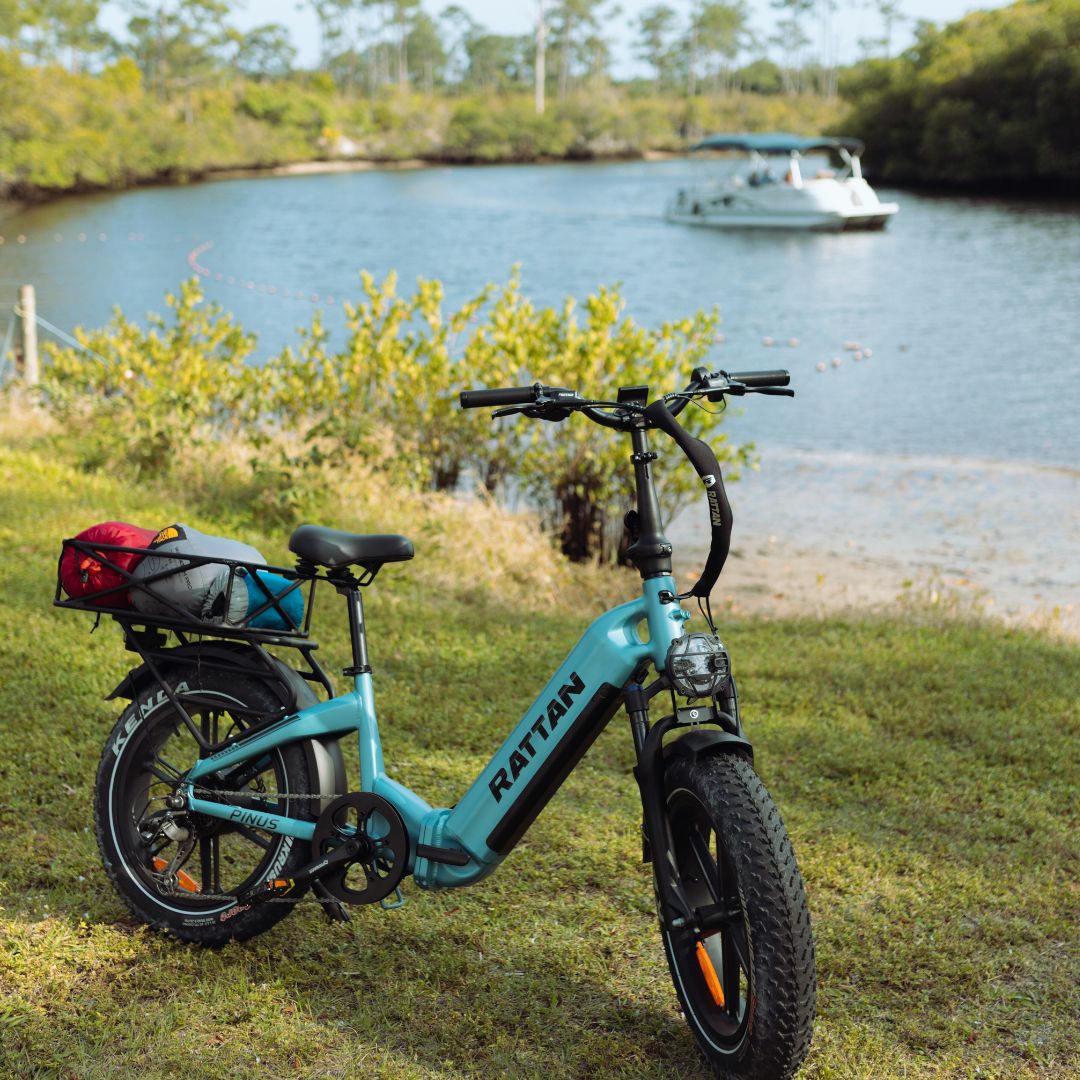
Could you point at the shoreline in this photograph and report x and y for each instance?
(772, 580)
(31, 196)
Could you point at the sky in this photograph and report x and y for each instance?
(854, 19)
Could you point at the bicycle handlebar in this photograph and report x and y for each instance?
(556, 403)
(716, 385)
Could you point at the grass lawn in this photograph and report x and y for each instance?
(928, 775)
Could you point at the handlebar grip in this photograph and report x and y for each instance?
(761, 378)
(507, 395)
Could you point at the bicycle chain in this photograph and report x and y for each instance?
(181, 893)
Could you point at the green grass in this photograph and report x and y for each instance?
(928, 775)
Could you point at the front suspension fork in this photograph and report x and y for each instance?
(675, 911)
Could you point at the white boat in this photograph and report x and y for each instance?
(766, 197)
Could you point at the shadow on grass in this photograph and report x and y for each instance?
(447, 999)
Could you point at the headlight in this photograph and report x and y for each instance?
(698, 665)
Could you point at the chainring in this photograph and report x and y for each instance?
(383, 854)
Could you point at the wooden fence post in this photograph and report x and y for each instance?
(27, 311)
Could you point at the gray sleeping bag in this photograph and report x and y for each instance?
(199, 590)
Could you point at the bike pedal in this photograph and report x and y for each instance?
(394, 901)
(267, 890)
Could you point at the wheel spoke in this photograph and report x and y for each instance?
(210, 863)
(251, 835)
(703, 857)
(730, 977)
(163, 774)
(211, 723)
(735, 941)
(733, 932)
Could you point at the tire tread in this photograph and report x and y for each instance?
(771, 888)
(240, 927)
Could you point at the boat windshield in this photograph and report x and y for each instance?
(764, 169)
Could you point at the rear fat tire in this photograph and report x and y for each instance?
(120, 785)
(752, 849)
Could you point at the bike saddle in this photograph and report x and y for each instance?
(335, 548)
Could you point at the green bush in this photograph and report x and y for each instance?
(151, 396)
(183, 389)
(285, 105)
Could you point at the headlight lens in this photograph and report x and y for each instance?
(698, 665)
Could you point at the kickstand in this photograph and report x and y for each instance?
(335, 909)
(391, 903)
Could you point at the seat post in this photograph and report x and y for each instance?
(357, 632)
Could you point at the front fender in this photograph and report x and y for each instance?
(696, 743)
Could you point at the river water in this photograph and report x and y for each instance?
(947, 456)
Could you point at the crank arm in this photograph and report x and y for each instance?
(320, 868)
(333, 909)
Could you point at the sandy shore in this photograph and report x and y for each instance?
(313, 168)
(822, 534)
(9, 208)
(771, 579)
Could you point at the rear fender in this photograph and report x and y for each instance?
(213, 654)
(326, 765)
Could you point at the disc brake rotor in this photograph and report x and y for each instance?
(375, 873)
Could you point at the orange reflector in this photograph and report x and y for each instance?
(183, 878)
(707, 969)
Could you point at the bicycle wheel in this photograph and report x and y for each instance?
(180, 872)
(746, 985)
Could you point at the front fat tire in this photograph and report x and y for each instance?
(118, 787)
(750, 841)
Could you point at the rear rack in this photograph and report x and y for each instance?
(147, 634)
(98, 602)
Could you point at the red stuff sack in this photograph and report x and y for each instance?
(82, 574)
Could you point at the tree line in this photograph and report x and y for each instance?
(367, 45)
(988, 101)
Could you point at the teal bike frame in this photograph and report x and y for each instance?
(526, 771)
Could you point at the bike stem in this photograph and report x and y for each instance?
(650, 550)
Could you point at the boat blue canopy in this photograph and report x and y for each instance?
(779, 142)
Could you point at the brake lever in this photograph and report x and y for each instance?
(547, 411)
(771, 391)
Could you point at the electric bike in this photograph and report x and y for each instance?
(221, 797)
